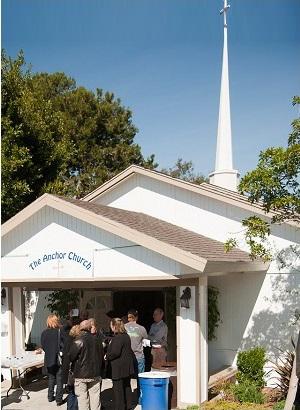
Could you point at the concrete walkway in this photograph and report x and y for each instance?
(38, 397)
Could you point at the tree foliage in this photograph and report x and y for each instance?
(275, 181)
(62, 301)
(274, 184)
(184, 170)
(58, 137)
(214, 317)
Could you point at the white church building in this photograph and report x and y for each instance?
(143, 236)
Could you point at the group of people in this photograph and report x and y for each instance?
(78, 356)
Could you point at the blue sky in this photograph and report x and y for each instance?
(163, 59)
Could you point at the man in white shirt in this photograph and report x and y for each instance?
(159, 337)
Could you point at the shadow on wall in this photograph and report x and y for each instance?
(237, 299)
(258, 309)
(273, 327)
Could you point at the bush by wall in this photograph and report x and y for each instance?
(250, 365)
(247, 392)
(279, 405)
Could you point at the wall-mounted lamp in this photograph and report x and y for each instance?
(185, 298)
(3, 296)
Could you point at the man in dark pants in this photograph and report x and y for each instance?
(52, 340)
(297, 399)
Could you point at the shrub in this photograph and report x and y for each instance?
(247, 392)
(283, 368)
(223, 387)
(279, 405)
(250, 365)
(193, 407)
(225, 405)
(214, 317)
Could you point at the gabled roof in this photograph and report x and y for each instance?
(186, 247)
(212, 191)
(181, 238)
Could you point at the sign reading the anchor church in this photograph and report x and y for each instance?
(60, 256)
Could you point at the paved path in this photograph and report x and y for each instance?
(38, 397)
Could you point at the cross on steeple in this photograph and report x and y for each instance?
(224, 11)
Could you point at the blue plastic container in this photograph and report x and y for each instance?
(154, 390)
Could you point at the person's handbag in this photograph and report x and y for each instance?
(59, 354)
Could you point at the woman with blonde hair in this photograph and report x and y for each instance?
(52, 341)
(97, 332)
(67, 369)
(121, 358)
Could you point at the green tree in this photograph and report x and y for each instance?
(274, 184)
(184, 170)
(33, 152)
(58, 137)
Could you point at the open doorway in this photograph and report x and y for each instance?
(143, 301)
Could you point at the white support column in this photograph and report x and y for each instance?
(6, 310)
(11, 323)
(192, 346)
(187, 350)
(17, 320)
(203, 338)
(12, 326)
(7, 329)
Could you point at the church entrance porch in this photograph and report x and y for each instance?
(183, 326)
(102, 304)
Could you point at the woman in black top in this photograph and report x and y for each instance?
(68, 379)
(52, 341)
(121, 358)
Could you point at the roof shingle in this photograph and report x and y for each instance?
(166, 232)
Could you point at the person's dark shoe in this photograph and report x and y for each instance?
(51, 399)
(60, 403)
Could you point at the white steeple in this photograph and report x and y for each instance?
(224, 175)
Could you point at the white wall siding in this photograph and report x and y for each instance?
(133, 261)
